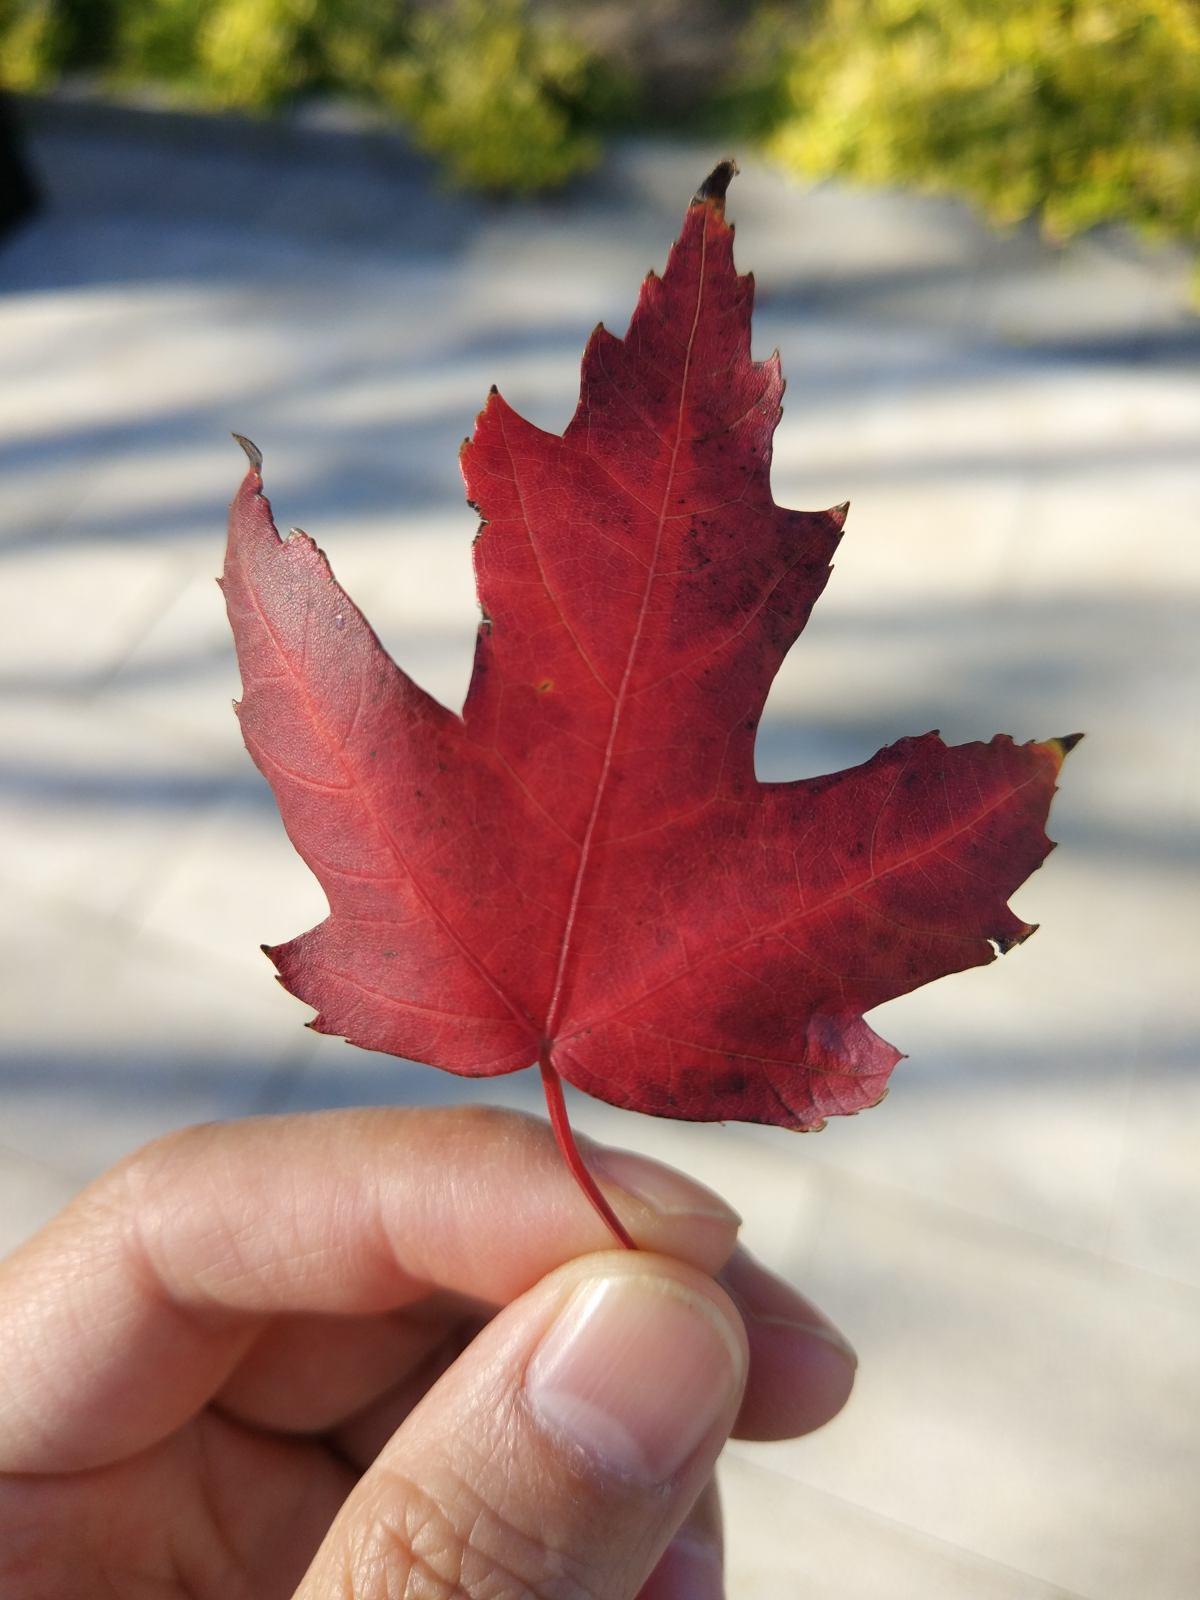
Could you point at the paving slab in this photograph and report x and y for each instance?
(1011, 1395)
(805, 1542)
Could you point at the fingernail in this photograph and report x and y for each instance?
(665, 1191)
(759, 1294)
(799, 1355)
(636, 1371)
(817, 1331)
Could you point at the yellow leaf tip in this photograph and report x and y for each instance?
(1060, 748)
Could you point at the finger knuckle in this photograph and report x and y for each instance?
(145, 1172)
(136, 1206)
(491, 1125)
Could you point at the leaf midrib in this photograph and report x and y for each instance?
(556, 994)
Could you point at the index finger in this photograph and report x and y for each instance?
(126, 1314)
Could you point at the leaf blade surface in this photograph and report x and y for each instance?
(583, 867)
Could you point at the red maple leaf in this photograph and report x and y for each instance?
(582, 869)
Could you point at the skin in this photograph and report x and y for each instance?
(289, 1357)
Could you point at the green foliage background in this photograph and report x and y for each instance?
(1076, 112)
(507, 102)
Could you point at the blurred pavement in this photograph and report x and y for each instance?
(1012, 1240)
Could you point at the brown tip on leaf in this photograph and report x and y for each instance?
(712, 190)
(1004, 945)
(253, 453)
(1067, 742)
(493, 390)
(838, 514)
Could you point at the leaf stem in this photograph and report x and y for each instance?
(557, 1107)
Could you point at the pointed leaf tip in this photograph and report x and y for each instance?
(715, 185)
(1006, 942)
(1060, 748)
(253, 453)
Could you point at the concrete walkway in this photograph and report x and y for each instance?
(1011, 1240)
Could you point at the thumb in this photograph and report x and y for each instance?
(559, 1453)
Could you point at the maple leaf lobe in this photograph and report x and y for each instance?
(583, 868)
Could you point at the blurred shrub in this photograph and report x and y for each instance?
(156, 40)
(41, 38)
(353, 39)
(1074, 111)
(252, 52)
(27, 44)
(502, 101)
(507, 101)
(256, 54)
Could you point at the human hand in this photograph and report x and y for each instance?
(382, 1354)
